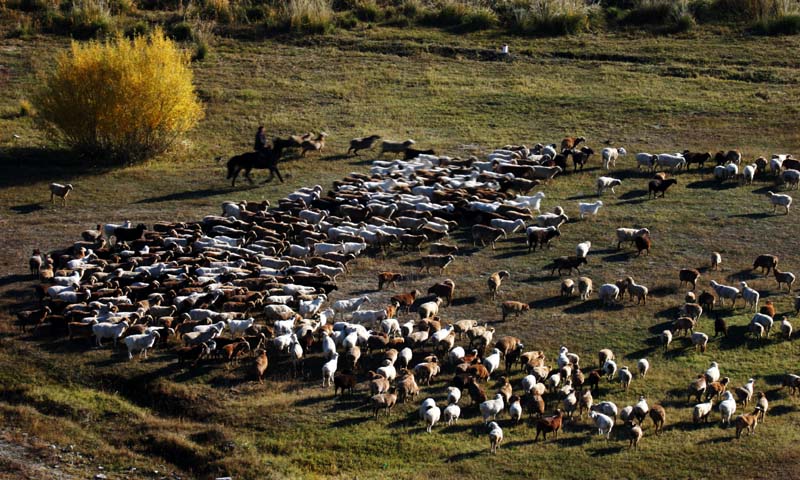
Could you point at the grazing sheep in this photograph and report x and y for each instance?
(604, 183)
(630, 235)
(660, 186)
(765, 321)
(783, 277)
(666, 338)
(791, 177)
(750, 296)
(440, 261)
(725, 291)
(634, 434)
(329, 369)
(716, 259)
(643, 366)
(604, 423)
(383, 401)
(646, 160)
(609, 294)
(702, 411)
(140, 343)
(568, 143)
(712, 373)
(431, 416)
(659, 417)
(610, 156)
(747, 421)
(491, 408)
(540, 236)
(495, 280)
(590, 209)
(636, 290)
(700, 341)
(452, 413)
(786, 328)
(779, 199)
(60, 191)
(495, 437)
(608, 409)
(763, 403)
(567, 287)
(546, 425)
(584, 287)
(625, 377)
(582, 249)
(689, 275)
(511, 306)
(671, 161)
(745, 393)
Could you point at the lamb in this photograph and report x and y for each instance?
(608, 293)
(604, 423)
(395, 147)
(511, 306)
(629, 235)
(610, 156)
(750, 296)
(60, 191)
(589, 208)
(585, 287)
(779, 199)
(604, 183)
(725, 291)
(783, 277)
(495, 280)
(363, 143)
(140, 343)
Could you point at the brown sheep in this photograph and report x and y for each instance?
(508, 344)
(684, 324)
(546, 425)
(445, 290)
(388, 279)
(716, 389)
(748, 422)
(261, 362)
(568, 143)
(643, 244)
(384, 401)
(786, 278)
(707, 300)
(405, 300)
(495, 280)
(514, 307)
(689, 275)
(659, 416)
(768, 309)
(441, 261)
(697, 388)
(568, 263)
(720, 327)
(345, 382)
(765, 263)
(485, 234)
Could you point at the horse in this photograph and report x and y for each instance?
(267, 158)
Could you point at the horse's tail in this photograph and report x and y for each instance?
(231, 167)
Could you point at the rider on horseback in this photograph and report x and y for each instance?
(261, 140)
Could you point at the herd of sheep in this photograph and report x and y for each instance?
(256, 281)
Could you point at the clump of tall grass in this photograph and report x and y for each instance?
(460, 15)
(547, 17)
(310, 16)
(84, 18)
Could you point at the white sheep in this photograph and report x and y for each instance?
(625, 377)
(643, 365)
(610, 368)
(405, 355)
(532, 202)
(329, 369)
(492, 361)
(636, 290)
(791, 177)
(604, 183)
(491, 408)
(606, 408)
(432, 416)
(725, 291)
(342, 307)
(140, 343)
(701, 411)
(515, 409)
(453, 395)
(589, 208)
(585, 287)
(671, 161)
(749, 173)
(764, 320)
(429, 309)
(786, 328)
(779, 199)
(603, 422)
(452, 413)
(608, 293)
(368, 317)
(716, 259)
(646, 160)
(610, 156)
(727, 407)
(720, 172)
(388, 370)
(60, 191)
(629, 235)
(508, 226)
(699, 340)
(109, 330)
(495, 436)
(712, 373)
(582, 249)
(750, 296)
(666, 338)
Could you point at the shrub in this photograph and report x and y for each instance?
(120, 100)
(181, 31)
(84, 19)
(784, 25)
(463, 16)
(367, 11)
(138, 28)
(26, 109)
(310, 16)
(547, 17)
(346, 20)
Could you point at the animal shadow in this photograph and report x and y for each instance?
(27, 208)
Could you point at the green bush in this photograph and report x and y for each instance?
(461, 16)
(785, 25)
(478, 19)
(140, 27)
(310, 16)
(181, 31)
(367, 11)
(346, 20)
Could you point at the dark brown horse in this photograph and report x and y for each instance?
(267, 158)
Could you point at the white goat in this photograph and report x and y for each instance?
(589, 208)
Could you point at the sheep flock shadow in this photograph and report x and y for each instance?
(27, 208)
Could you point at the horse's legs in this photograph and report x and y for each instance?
(279, 173)
(247, 175)
(235, 176)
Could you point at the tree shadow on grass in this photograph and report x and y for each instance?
(27, 165)
(188, 195)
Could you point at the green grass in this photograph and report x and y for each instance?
(700, 90)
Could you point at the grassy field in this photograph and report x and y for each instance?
(706, 90)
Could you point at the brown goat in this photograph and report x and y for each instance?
(546, 425)
(689, 275)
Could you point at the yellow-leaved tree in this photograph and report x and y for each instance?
(120, 100)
